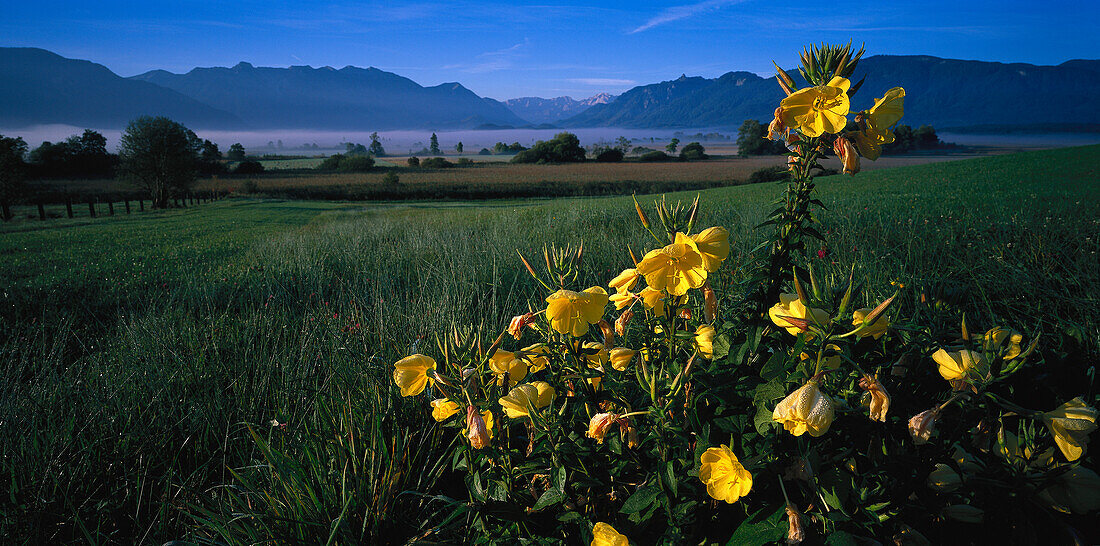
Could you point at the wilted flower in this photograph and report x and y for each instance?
(571, 312)
(795, 533)
(805, 410)
(506, 362)
(777, 130)
(1070, 424)
(704, 341)
(606, 535)
(960, 364)
(710, 303)
(599, 425)
(519, 322)
(1077, 491)
(818, 110)
(964, 513)
(880, 399)
(622, 321)
(676, 268)
(443, 409)
(620, 357)
(875, 329)
(479, 427)
(923, 425)
(725, 477)
(411, 373)
(847, 155)
(521, 399)
(944, 478)
(625, 281)
(790, 306)
(714, 246)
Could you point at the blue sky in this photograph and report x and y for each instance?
(512, 49)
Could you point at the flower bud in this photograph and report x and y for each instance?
(477, 431)
(710, 303)
(846, 152)
(880, 399)
(631, 437)
(599, 425)
(922, 425)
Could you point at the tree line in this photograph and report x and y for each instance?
(752, 139)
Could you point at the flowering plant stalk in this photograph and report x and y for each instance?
(642, 411)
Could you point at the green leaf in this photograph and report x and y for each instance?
(721, 346)
(774, 367)
(641, 499)
(840, 538)
(670, 478)
(549, 498)
(758, 529)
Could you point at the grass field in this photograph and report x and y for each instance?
(136, 353)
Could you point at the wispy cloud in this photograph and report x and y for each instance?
(492, 61)
(683, 12)
(603, 82)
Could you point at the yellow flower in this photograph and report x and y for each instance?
(997, 338)
(877, 122)
(623, 298)
(704, 341)
(805, 410)
(1070, 424)
(790, 306)
(880, 326)
(479, 427)
(535, 356)
(443, 409)
(411, 373)
(653, 299)
(571, 312)
(521, 399)
(725, 477)
(713, 245)
(1077, 491)
(621, 357)
(606, 535)
(600, 424)
(594, 353)
(625, 281)
(960, 364)
(818, 110)
(505, 362)
(675, 268)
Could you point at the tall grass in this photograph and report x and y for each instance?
(143, 360)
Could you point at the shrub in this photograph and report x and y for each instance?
(414, 162)
(693, 151)
(248, 167)
(655, 155)
(347, 163)
(464, 161)
(391, 179)
(249, 187)
(752, 139)
(769, 174)
(610, 155)
(436, 163)
(484, 151)
(563, 148)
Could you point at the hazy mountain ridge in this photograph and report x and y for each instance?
(540, 110)
(302, 97)
(38, 87)
(941, 92)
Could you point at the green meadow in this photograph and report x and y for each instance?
(149, 363)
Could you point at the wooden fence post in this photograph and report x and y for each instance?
(69, 207)
(91, 208)
(110, 207)
(41, 211)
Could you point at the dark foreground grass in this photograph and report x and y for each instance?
(139, 355)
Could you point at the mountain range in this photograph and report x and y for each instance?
(940, 92)
(39, 87)
(540, 110)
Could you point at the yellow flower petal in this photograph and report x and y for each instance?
(411, 373)
(606, 535)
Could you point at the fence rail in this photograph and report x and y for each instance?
(96, 203)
